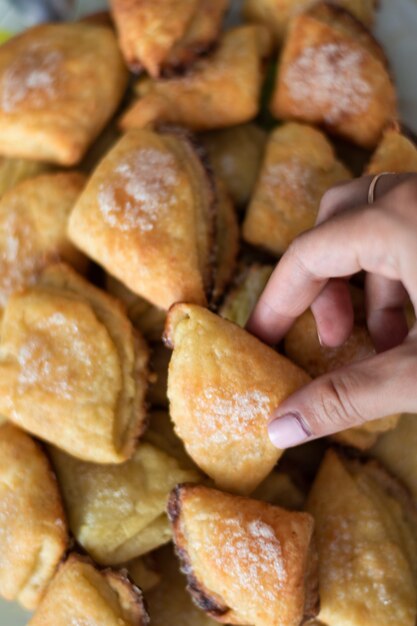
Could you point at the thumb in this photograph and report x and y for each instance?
(366, 390)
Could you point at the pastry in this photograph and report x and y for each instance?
(236, 154)
(161, 434)
(227, 242)
(299, 166)
(157, 393)
(367, 543)
(117, 512)
(222, 89)
(33, 229)
(33, 532)
(72, 370)
(395, 153)
(82, 595)
(302, 346)
(247, 562)
(59, 86)
(12, 171)
(223, 384)
(144, 575)
(241, 299)
(280, 489)
(333, 73)
(277, 14)
(147, 216)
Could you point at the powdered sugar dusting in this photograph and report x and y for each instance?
(31, 79)
(292, 175)
(328, 79)
(143, 191)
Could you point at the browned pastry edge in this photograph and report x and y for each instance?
(174, 316)
(192, 54)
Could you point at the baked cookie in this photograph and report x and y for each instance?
(302, 346)
(33, 229)
(247, 562)
(117, 512)
(299, 166)
(147, 216)
(395, 153)
(72, 370)
(80, 594)
(59, 86)
(221, 89)
(223, 384)
(33, 531)
(366, 538)
(333, 73)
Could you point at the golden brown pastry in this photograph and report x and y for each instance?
(157, 393)
(147, 216)
(247, 562)
(299, 166)
(397, 451)
(236, 154)
(280, 489)
(333, 73)
(13, 171)
(395, 153)
(222, 89)
(59, 85)
(144, 574)
(239, 302)
(161, 434)
(72, 369)
(277, 14)
(302, 346)
(82, 595)
(223, 383)
(227, 242)
(33, 229)
(117, 512)
(367, 544)
(33, 532)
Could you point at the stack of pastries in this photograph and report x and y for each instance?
(154, 165)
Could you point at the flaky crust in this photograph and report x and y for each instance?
(223, 383)
(220, 90)
(247, 562)
(333, 73)
(80, 594)
(72, 370)
(395, 153)
(59, 85)
(33, 533)
(147, 216)
(298, 167)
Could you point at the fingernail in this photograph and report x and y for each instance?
(320, 340)
(288, 430)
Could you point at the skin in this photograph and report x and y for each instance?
(350, 235)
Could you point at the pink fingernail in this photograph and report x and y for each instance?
(288, 431)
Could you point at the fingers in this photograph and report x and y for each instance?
(333, 313)
(386, 319)
(348, 397)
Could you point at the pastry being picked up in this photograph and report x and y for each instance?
(221, 89)
(59, 85)
(247, 562)
(333, 73)
(82, 595)
(33, 530)
(72, 370)
(299, 166)
(223, 384)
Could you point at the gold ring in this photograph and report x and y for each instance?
(372, 186)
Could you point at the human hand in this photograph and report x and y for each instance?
(350, 236)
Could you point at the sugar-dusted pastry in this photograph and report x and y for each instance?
(33, 229)
(222, 89)
(299, 166)
(247, 562)
(227, 241)
(223, 384)
(397, 451)
(241, 299)
(236, 155)
(147, 216)
(333, 73)
(277, 14)
(117, 512)
(395, 153)
(13, 171)
(33, 533)
(82, 595)
(367, 543)
(59, 85)
(302, 346)
(72, 370)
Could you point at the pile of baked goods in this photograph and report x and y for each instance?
(154, 166)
